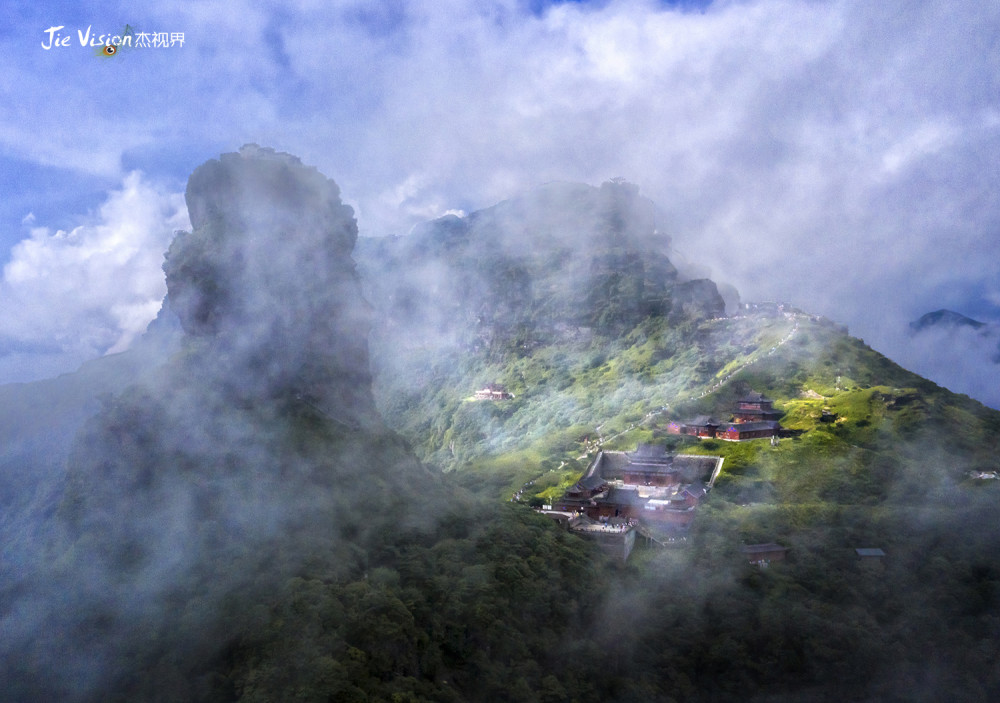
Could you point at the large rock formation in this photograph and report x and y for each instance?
(266, 282)
(266, 414)
(253, 454)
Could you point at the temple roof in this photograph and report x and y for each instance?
(869, 552)
(649, 451)
(591, 482)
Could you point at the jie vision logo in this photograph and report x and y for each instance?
(111, 44)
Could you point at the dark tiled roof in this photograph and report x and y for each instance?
(592, 482)
(689, 468)
(650, 467)
(612, 464)
(649, 451)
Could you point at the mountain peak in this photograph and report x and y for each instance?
(944, 318)
(266, 281)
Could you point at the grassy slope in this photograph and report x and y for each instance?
(891, 429)
(886, 465)
(889, 471)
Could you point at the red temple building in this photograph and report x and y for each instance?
(754, 407)
(742, 431)
(753, 418)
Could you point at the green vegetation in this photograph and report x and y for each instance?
(880, 459)
(602, 345)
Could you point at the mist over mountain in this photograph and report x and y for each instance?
(266, 280)
(563, 257)
(289, 489)
(564, 266)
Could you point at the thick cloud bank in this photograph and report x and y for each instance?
(839, 155)
(70, 296)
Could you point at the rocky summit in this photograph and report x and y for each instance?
(266, 278)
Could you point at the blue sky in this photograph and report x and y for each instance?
(841, 155)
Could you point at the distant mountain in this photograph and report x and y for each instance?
(944, 318)
(39, 422)
(955, 351)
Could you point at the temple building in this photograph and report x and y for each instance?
(493, 391)
(579, 495)
(763, 554)
(742, 431)
(649, 489)
(753, 418)
(701, 426)
(754, 407)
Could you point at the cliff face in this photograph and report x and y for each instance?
(265, 282)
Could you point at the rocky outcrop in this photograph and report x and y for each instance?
(251, 455)
(698, 299)
(266, 282)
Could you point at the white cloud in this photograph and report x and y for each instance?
(923, 141)
(841, 154)
(90, 290)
